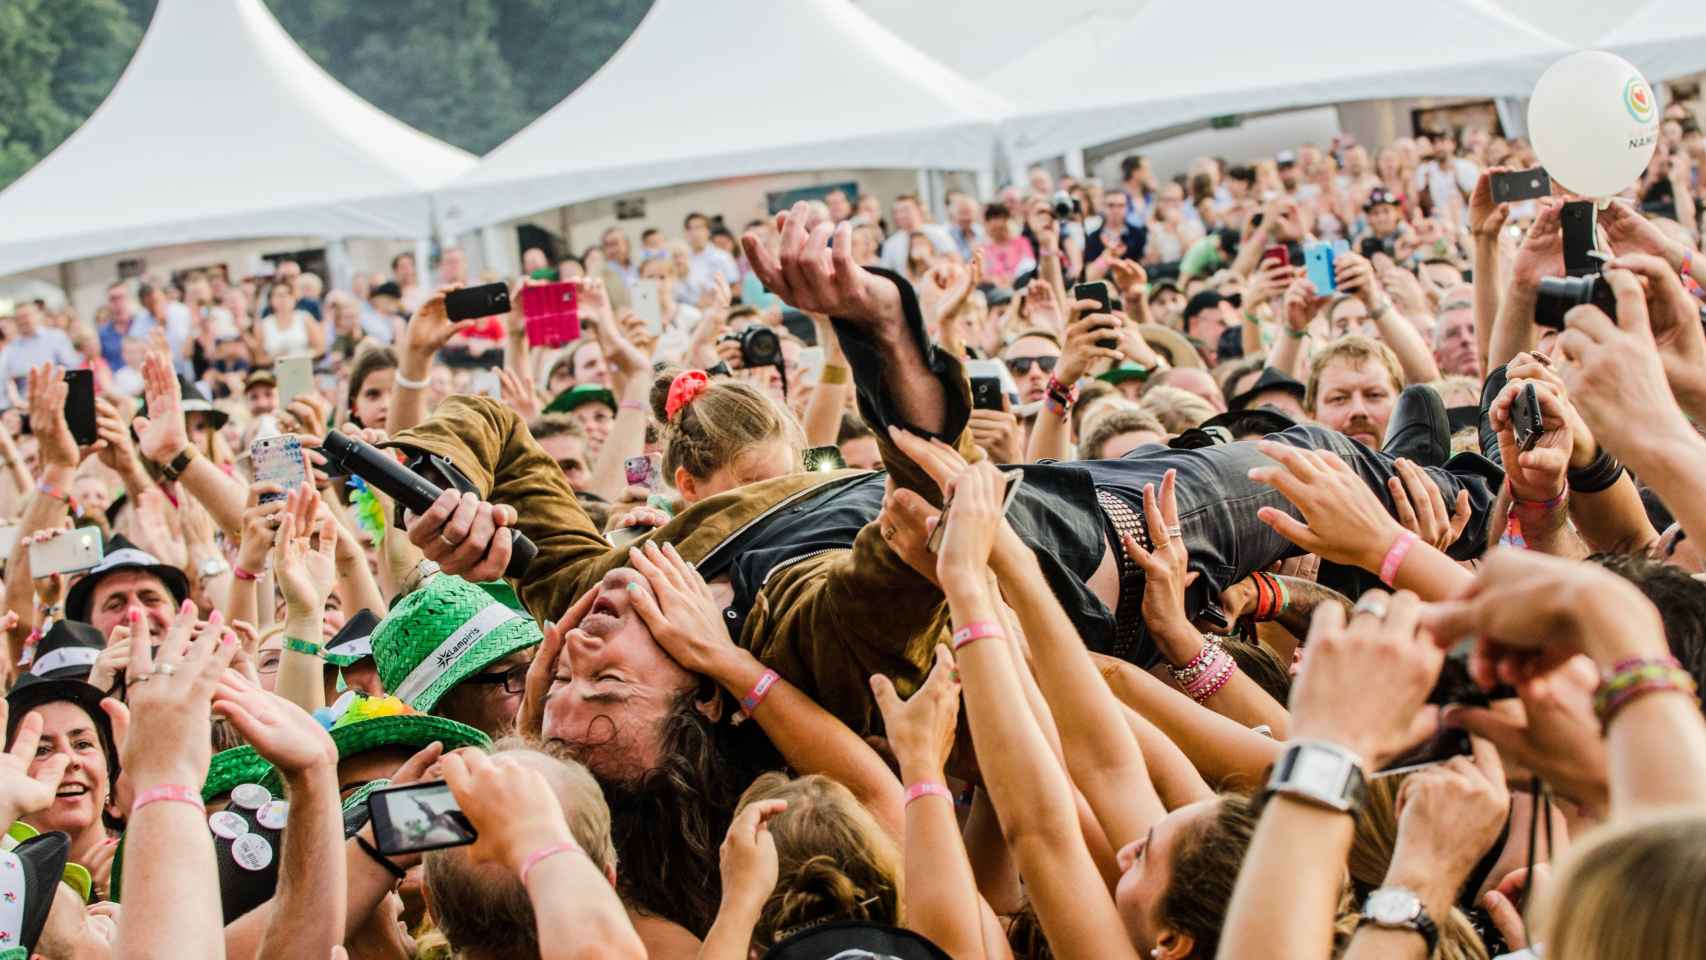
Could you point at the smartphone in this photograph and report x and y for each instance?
(1014, 479)
(647, 306)
(1525, 418)
(80, 406)
(827, 457)
(1517, 185)
(487, 383)
(1276, 253)
(1318, 260)
(416, 818)
(295, 378)
(8, 540)
(1576, 223)
(278, 460)
(552, 312)
(1371, 246)
(1103, 293)
(991, 382)
(470, 303)
(1456, 685)
(66, 552)
(644, 471)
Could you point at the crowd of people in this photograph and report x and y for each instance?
(1088, 574)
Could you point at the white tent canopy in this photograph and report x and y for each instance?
(222, 128)
(1664, 39)
(734, 88)
(976, 37)
(1101, 83)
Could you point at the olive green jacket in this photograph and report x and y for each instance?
(825, 622)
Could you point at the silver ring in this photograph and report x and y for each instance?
(165, 670)
(1175, 532)
(1371, 604)
(447, 541)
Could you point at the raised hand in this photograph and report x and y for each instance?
(1542, 250)
(1539, 474)
(920, 729)
(1084, 343)
(1166, 572)
(748, 862)
(431, 328)
(113, 660)
(260, 527)
(1450, 814)
(305, 569)
(280, 731)
(812, 274)
(519, 393)
(22, 792)
(973, 521)
(1337, 697)
(116, 449)
(1343, 520)
(168, 738)
(684, 617)
(161, 434)
(1302, 303)
(512, 807)
(47, 393)
(1487, 218)
(1674, 316)
(1421, 508)
(1555, 736)
(464, 535)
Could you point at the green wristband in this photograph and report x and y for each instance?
(302, 646)
(1296, 334)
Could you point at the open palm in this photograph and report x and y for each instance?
(22, 792)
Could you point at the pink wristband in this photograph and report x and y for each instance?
(972, 632)
(242, 574)
(1395, 556)
(168, 793)
(928, 788)
(567, 846)
(759, 691)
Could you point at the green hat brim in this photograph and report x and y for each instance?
(233, 768)
(573, 397)
(1119, 375)
(412, 731)
(340, 660)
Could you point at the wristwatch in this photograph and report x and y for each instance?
(1321, 773)
(1395, 908)
(178, 464)
(212, 567)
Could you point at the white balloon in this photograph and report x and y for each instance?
(1594, 122)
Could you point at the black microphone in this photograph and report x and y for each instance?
(411, 490)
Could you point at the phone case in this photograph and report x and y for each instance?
(295, 378)
(642, 471)
(470, 303)
(80, 406)
(67, 552)
(1520, 185)
(553, 314)
(647, 307)
(416, 818)
(1318, 260)
(279, 460)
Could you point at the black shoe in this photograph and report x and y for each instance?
(1419, 429)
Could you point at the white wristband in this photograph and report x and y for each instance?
(407, 384)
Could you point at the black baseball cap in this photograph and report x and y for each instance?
(1378, 196)
(1204, 300)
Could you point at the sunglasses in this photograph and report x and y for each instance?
(1022, 365)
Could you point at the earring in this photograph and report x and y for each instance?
(1155, 951)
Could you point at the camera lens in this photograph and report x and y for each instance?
(760, 347)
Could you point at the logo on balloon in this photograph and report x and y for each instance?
(1638, 99)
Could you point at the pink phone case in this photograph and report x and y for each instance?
(553, 314)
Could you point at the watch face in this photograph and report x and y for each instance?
(1391, 907)
(1320, 771)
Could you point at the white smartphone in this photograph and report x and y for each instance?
(487, 383)
(66, 552)
(811, 362)
(278, 460)
(295, 378)
(648, 306)
(8, 540)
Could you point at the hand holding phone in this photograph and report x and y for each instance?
(67, 551)
(552, 312)
(417, 818)
(1514, 185)
(1013, 478)
(1525, 418)
(1103, 293)
(472, 303)
(1318, 259)
(80, 406)
(278, 459)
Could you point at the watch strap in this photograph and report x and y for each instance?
(1419, 922)
(1345, 794)
(175, 467)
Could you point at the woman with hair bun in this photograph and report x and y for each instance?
(721, 434)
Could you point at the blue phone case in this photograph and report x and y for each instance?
(1318, 260)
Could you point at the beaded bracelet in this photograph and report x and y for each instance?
(567, 846)
(1517, 501)
(1631, 679)
(1211, 680)
(973, 632)
(1198, 664)
(1066, 395)
(759, 691)
(302, 646)
(168, 793)
(927, 788)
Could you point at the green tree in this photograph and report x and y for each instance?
(554, 46)
(61, 59)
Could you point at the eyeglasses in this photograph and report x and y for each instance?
(1022, 365)
(513, 680)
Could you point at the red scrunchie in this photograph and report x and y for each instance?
(683, 390)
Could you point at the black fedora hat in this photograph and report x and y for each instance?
(67, 651)
(1271, 379)
(122, 555)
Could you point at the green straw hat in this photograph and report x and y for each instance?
(443, 633)
(233, 768)
(359, 724)
(581, 395)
